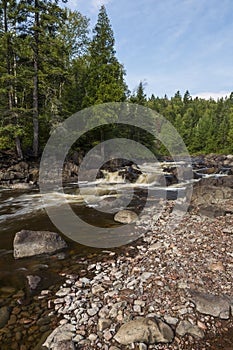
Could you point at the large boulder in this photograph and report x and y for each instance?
(29, 243)
(145, 330)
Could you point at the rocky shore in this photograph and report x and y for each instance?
(172, 287)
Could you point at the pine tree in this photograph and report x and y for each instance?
(105, 79)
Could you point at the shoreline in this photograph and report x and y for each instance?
(154, 278)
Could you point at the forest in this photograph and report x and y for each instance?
(53, 65)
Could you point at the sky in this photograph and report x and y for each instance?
(171, 45)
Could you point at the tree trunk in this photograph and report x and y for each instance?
(35, 83)
(11, 93)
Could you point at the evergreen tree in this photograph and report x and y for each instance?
(105, 78)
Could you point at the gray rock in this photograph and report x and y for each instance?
(4, 316)
(210, 304)
(64, 345)
(92, 311)
(186, 327)
(125, 216)
(30, 243)
(33, 281)
(171, 320)
(145, 330)
(60, 337)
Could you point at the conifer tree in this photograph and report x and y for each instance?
(105, 79)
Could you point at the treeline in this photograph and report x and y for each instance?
(52, 65)
(206, 126)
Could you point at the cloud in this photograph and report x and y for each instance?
(214, 95)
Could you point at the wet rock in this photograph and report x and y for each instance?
(4, 316)
(125, 217)
(186, 327)
(33, 281)
(145, 330)
(30, 243)
(210, 304)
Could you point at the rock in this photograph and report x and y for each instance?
(4, 316)
(97, 289)
(155, 246)
(33, 281)
(145, 330)
(171, 320)
(186, 327)
(216, 266)
(30, 243)
(103, 323)
(125, 216)
(63, 292)
(210, 304)
(92, 311)
(65, 345)
(60, 336)
(211, 211)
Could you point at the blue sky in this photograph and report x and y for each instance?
(171, 45)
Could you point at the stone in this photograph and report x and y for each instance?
(92, 337)
(64, 345)
(63, 292)
(210, 304)
(107, 335)
(126, 216)
(171, 320)
(92, 311)
(216, 266)
(103, 323)
(144, 330)
(186, 327)
(4, 316)
(30, 243)
(33, 281)
(155, 246)
(61, 335)
(97, 289)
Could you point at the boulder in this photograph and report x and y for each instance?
(29, 243)
(210, 304)
(61, 338)
(125, 216)
(145, 330)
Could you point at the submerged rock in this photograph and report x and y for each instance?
(125, 217)
(4, 316)
(29, 243)
(145, 330)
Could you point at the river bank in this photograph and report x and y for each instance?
(155, 277)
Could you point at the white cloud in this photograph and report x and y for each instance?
(214, 95)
